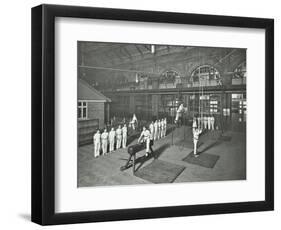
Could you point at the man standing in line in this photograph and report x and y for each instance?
(104, 141)
(118, 137)
(151, 128)
(213, 123)
(165, 126)
(155, 130)
(162, 128)
(124, 136)
(209, 122)
(159, 129)
(111, 139)
(96, 140)
(205, 122)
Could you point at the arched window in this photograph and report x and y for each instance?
(169, 79)
(205, 75)
(239, 74)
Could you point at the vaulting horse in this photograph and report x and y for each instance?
(132, 151)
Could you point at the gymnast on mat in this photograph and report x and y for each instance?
(196, 133)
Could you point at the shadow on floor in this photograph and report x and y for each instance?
(156, 154)
(169, 130)
(213, 144)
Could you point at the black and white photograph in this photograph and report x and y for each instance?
(160, 113)
(140, 114)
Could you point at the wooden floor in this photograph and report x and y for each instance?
(105, 170)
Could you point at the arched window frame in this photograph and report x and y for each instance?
(207, 74)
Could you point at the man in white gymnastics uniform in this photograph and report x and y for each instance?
(196, 134)
(104, 141)
(97, 141)
(134, 121)
(151, 128)
(124, 136)
(165, 126)
(209, 122)
(198, 121)
(146, 137)
(205, 122)
(162, 128)
(112, 135)
(159, 129)
(118, 137)
(155, 130)
(194, 123)
(212, 122)
(180, 110)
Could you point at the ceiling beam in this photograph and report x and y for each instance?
(139, 50)
(123, 48)
(120, 57)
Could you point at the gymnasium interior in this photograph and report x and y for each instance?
(117, 81)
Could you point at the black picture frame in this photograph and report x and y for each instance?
(43, 114)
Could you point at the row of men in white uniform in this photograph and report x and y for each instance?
(158, 129)
(101, 141)
(206, 122)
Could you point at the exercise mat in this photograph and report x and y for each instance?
(160, 171)
(203, 159)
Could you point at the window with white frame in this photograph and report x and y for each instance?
(205, 75)
(82, 109)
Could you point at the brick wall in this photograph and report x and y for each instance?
(86, 130)
(96, 111)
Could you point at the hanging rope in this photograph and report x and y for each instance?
(193, 104)
(199, 104)
(202, 111)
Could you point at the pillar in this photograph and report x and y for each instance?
(155, 102)
(132, 104)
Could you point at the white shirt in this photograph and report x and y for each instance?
(155, 126)
(151, 127)
(162, 124)
(145, 134)
(194, 124)
(104, 136)
(118, 132)
(180, 109)
(196, 134)
(112, 135)
(134, 118)
(124, 131)
(165, 123)
(97, 137)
